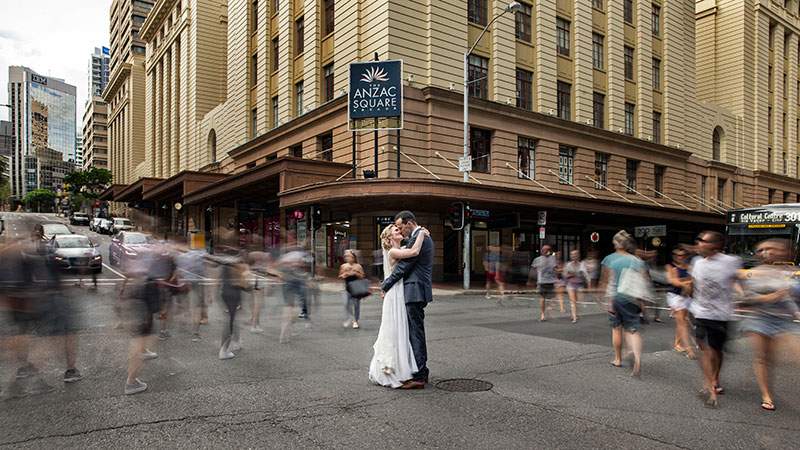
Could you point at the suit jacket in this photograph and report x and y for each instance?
(415, 272)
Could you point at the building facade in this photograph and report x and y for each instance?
(45, 169)
(79, 149)
(592, 113)
(42, 116)
(99, 72)
(95, 134)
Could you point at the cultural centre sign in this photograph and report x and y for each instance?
(375, 96)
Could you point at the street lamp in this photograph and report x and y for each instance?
(512, 7)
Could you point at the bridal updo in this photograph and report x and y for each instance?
(386, 237)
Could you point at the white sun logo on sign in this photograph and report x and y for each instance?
(374, 74)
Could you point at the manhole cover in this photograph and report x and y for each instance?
(464, 385)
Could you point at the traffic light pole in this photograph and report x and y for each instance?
(313, 241)
(467, 226)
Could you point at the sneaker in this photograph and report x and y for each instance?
(256, 329)
(72, 375)
(147, 354)
(26, 370)
(355, 324)
(163, 335)
(135, 388)
(196, 337)
(38, 386)
(15, 390)
(302, 316)
(236, 346)
(347, 323)
(203, 320)
(223, 354)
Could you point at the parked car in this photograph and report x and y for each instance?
(43, 232)
(128, 246)
(120, 224)
(94, 222)
(104, 226)
(75, 251)
(79, 218)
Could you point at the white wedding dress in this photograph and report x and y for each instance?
(393, 360)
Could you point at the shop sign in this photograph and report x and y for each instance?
(594, 237)
(384, 220)
(480, 213)
(508, 220)
(375, 96)
(253, 206)
(542, 218)
(650, 231)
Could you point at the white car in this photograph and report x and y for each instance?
(120, 224)
(93, 225)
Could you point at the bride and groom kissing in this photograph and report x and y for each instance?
(400, 352)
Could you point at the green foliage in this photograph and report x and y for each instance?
(89, 183)
(40, 197)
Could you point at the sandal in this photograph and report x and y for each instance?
(657, 319)
(719, 389)
(769, 406)
(711, 403)
(616, 365)
(679, 349)
(575, 320)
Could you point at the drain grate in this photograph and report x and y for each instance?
(464, 385)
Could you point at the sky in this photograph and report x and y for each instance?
(54, 38)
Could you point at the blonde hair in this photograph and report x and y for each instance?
(386, 236)
(624, 241)
(353, 254)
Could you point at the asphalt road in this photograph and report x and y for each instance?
(552, 382)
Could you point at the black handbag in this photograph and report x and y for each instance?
(358, 288)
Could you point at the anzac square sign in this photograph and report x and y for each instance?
(375, 100)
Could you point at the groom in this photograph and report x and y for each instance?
(416, 275)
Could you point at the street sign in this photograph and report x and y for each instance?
(542, 218)
(480, 213)
(375, 95)
(465, 164)
(541, 233)
(650, 231)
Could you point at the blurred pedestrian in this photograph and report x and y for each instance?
(576, 276)
(543, 269)
(233, 281)
(680, 280)
(714, 282)
(351, 271)
(593, 267)
(493, 265)
(261, 267)
(293, 267)
(560, 284)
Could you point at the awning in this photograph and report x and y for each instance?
(134, 191)
(111, 193)
(176, 187)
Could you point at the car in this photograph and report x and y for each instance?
(120, 224)
(43, 232)
(104, 226)
(79, 218)
(94, 222)
(128, 246)
(75, 252)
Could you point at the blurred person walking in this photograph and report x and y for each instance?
(144, 292)
(769, 294)
(714, 282)
(261, 267)
(293, 269)
(560, 284)
(543, 269)
(493, 265)
(233, 280)
(680, 279)
(351, 271)
(576, 276)
(623, 274)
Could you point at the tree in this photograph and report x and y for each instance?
(40, 197)
(89, 183)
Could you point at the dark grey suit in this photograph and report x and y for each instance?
(416, 275)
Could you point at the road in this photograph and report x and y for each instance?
(552, 382)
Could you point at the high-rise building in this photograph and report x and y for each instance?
(78, 149)
(95, 134)
(6, 138)
(98, 71)
(127, 17)
(42, 117)
(45, 169)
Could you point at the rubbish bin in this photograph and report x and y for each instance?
(197, 240)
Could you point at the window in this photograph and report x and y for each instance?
(721, 190)
(254, 118)
(564, 100)
(296, 151)
(525, 157)
(771, 35)
(733, 193)
(771, 196)
(565, 160)
(627, 9)
(524, 89)
(298, 93)
(477, 11)
(598, 4)
(255, 70)
(785, 164)
(275, 6)
(656, 20)
(785, 94)
(600, 171)
(597, 51)
(628, 63)
(274, 111)
(329, 9)
(769, 76)
(326, 147)
(769, 119)
(658, 180)
(480, 143)
(716, 145)
(275, 59)
(478, 76)
(783, 125)
(797, 168)
(657, 127)
(769, 160)
(656, 74)
(629, 119)
(631, 166)
(212, 146)
(254, 13)
(598, 110)
(139, 19)
(522, 20)
(785, 197)
(299, 37)
(327, 72)
(562, 36)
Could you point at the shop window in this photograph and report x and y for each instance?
(480, 142)
(600, 171)
(526, 148)
(631, 169)
(326, 147)
(566, 156)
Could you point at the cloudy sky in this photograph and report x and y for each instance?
(54, 38)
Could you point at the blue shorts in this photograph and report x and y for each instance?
(626, 315)
(768, 325)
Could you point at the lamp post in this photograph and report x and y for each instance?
(512, 7)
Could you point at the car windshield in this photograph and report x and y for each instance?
(73, 242)
(121, 222)
(55, 228)
(138, 239)
(80, 215)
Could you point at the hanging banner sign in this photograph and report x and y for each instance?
(375, 96)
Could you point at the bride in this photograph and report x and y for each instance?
(393, 361)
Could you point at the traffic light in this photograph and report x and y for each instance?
(316, 218)
(457, 216)
(467, 213)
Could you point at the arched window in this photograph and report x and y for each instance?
(212, 146)
(716, 145)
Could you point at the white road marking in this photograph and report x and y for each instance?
(109, 268)
(192, 273)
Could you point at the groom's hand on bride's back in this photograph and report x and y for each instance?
(383, 294)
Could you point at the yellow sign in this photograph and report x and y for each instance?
(767, 225)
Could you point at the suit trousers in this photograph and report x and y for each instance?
(416, 334)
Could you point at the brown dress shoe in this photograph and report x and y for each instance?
(411, 384)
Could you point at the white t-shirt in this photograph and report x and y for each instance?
(713, 280)
(545, 269)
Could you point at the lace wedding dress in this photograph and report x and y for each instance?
(393, 360)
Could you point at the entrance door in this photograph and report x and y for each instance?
(479, 241)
